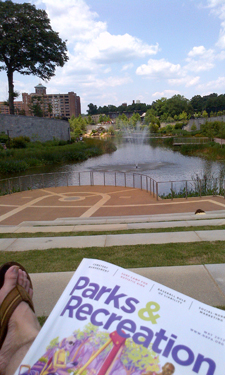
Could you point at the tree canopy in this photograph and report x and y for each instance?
(28, 44)
(176, 108)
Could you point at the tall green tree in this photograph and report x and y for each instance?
(92, 109)
(28, 44)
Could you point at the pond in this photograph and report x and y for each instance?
(158, 162)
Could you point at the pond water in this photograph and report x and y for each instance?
(160, 163)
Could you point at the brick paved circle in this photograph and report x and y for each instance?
(94, 201)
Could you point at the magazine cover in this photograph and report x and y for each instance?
(111, 321)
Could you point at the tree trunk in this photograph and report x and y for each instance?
(11, 87)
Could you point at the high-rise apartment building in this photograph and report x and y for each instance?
(47, 105)
(4, 109)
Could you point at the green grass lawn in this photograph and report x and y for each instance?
(154, 255)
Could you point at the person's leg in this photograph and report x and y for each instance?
(23, 325)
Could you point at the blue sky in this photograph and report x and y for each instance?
(123, 50)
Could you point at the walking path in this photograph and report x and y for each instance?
(54, 212)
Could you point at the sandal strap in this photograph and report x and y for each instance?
(8, 306)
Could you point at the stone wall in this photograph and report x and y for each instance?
(36, 128)
(199, 121)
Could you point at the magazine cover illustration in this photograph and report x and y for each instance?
(111, 321)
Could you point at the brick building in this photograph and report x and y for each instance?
(4, 109)
(48, 105)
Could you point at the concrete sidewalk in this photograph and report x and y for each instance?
(114, 224)
(44, 243)
(205, 283)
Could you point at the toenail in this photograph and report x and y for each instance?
(15, 270)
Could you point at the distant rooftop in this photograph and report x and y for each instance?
(40, 86)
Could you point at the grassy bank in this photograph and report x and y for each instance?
(160, 255)
(210, 151)
(36, 154)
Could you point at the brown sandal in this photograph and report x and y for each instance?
(12, 300)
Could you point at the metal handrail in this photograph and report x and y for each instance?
(105, 178)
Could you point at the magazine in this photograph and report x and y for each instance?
(111, 321)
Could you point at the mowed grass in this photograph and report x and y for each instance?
(95, 233)
(172, 254)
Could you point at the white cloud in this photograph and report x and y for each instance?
(88, 38)
(200, 59)
(192, 81)
(107, 70)
(218, 8)
(186, 81)
(221, 40)
(92, 49)
(199, 66)
(106, 83)
(215, 3)
(74, 20)
(165, 94)
(197, 51)
(127, 66)
(217, 85)
(107, 48)
(159, 69)
(221, 56)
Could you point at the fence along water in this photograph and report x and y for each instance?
(158, 189)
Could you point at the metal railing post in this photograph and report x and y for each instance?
(146, 182)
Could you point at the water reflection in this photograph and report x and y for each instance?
(160, 163)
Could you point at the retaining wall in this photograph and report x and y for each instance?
(199, 121)
(36, 128)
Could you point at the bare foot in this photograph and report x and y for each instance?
(23, 325)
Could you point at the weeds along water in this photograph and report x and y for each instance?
(16, 160)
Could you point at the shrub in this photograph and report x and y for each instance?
(18, 142)
(3, 137)
(178, 125)
(12, 166)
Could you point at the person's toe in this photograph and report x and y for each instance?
(10, 281)
(24, 282)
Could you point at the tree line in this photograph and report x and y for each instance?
(177, 108)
